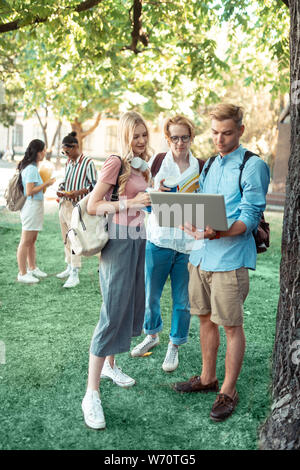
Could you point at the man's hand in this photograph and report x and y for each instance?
(72, 194)
(197, 234)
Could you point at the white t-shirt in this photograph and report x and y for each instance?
(169, 237)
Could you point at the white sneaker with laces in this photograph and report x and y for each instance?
(37, 272)
(148, 343)
(64, 273)
(73, 279)
(92, 410)
(171, 360)
(27, 278)
(116, 375)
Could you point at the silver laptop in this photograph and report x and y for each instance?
(174, 209)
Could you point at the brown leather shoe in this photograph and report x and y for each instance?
(223, 407)
(194, 384)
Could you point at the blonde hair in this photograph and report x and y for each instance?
(127, 125)
(179, 120)
(228, 111)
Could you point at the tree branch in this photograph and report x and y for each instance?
(16, 24)
(43, 126)
(137, 33)
(93, 127)
(56, 133)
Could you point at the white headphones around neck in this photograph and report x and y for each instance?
(139, 164)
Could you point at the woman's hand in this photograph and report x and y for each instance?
(50, 182)
(141, 200)
(162, 187)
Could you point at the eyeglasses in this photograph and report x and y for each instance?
(184, 138)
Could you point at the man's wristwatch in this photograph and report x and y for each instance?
(217, 236)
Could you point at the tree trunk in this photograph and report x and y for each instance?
(77, 127)
(43, 126)
(282, 429)
(56, 134)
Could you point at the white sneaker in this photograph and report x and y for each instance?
(148, 343)
(64, 273)
(92, 410)
(171, 360)
(116, 375)
(27, 278)
(37, 272)
(73, 279)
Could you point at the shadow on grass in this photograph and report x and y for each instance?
(47, 330)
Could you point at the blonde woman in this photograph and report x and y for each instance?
(121, 269)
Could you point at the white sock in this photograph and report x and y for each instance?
(90, 392)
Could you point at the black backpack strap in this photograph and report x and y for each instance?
(115, 193)
(210, 162)
(201, 164)
(247, 155)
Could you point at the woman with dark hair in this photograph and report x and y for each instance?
(32, 213)
(80, 178)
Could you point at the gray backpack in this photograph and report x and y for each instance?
(13, 195)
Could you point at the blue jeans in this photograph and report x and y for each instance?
(159, 263)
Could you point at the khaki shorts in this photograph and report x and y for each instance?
(220, 294)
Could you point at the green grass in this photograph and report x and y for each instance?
(47, 330)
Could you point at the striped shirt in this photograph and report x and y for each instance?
(79, 175)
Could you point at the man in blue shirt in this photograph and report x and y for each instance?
(219, 281)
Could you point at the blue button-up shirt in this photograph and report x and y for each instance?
(229, 253)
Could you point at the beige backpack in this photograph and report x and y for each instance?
(13, 195)
(88, 234)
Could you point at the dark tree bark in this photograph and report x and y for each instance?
(19, 23)
(282, 429)
(137, 34)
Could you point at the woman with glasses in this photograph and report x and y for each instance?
(80, 178)
(32, 213)
(121, 269)
(167, 249)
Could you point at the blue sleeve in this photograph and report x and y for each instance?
(31, 174)
(255, 182)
